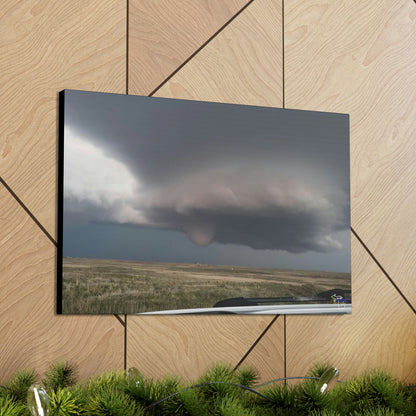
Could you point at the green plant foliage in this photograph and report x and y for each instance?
(3, 392)
(147, 391)
(324, 412)
(186, 403)
(309, 398)
(378, 412)
(283, 398)
(113, 379)
(220, 379)
(168, 385)
(62, 403)
(219, 372)
(318, 369)
(84, 394)
(110, 402)
(80, 396)
(9, 407)
(218, 392)
(233, 407)
(375, 389)
(337, 400)
(60, 375)
(409, 400)
(247, 376)
(19, 384)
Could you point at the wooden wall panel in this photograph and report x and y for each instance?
(31, 335)
(359, 58)
(267, 356)
(163, 34)
(188, 345)
(356, 58)
(242, 64)
(380, 333)
(45, 47)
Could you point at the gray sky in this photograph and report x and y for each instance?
(158, 179)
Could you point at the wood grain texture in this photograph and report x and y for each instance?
(359, 58)
(380, 332)
(45, 47)
(31, 334)
(163, 34)
(242, 65)
(188, 345)
(267, 357)
(356, 58)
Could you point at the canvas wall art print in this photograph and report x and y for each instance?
(178, 206)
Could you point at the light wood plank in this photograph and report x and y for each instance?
(31, 334)
(188, 345)
(45, 47)
(267, 356)
(242, 65)
(163, 34)
(380, 333)
(359, 57)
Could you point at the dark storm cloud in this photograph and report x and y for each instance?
(260, 177)
(277, 230)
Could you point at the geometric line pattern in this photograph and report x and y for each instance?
(377, 262)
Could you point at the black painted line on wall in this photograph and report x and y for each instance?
(28, 211)
(120, 320)
(256, 342)
(200, 48)
(383, 270)
(284, 347)
(125, 342)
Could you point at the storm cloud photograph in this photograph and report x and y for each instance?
(179, 206)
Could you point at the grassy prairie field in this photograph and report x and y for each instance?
(121, 286)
